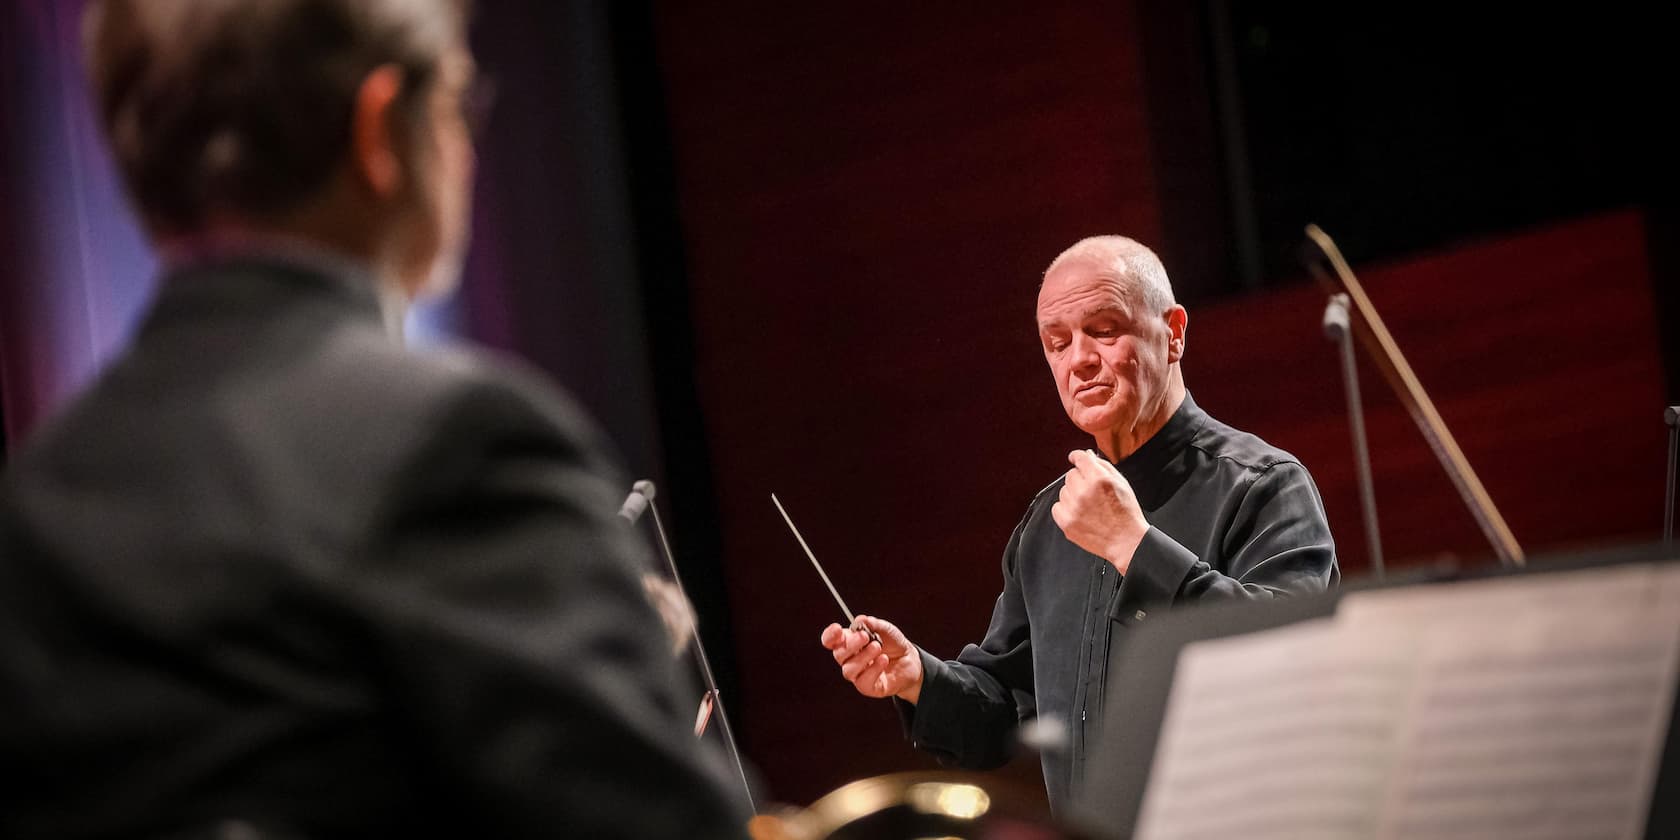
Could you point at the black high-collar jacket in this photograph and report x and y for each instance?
(1230, 517)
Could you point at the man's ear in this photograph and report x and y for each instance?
(1178, 321)
(373, 132)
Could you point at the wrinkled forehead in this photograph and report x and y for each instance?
(1082, 287)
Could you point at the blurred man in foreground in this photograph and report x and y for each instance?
(275, 576)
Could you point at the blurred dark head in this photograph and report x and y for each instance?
(291, 116)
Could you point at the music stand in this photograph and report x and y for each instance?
(1108, 796)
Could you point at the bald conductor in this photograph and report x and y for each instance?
(1172, 506)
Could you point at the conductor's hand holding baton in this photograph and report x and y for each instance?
(874, 655)
(876, 658)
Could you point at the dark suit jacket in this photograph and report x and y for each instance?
(274, 572)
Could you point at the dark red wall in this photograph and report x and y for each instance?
(1540, 350)
(868, 198)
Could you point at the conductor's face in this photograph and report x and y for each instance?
(1110, 357)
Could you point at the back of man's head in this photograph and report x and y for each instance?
(243, 107)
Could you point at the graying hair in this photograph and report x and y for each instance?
(245, 105)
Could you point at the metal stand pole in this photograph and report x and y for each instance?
(1336, 326)
(705, 662)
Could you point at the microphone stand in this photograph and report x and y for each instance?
(1671, 416)
(1339, 329)
(713, 696)
(1388, 358)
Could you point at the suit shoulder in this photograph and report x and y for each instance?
(430, 383)
(365, 411)
(1244, 449)
(475, 418)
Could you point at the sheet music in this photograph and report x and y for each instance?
(1532, 707)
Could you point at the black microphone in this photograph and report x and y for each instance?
(636, 503)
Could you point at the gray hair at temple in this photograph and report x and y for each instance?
(1131, 260)
(244, 106)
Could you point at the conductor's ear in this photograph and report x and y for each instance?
(1178, 321)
